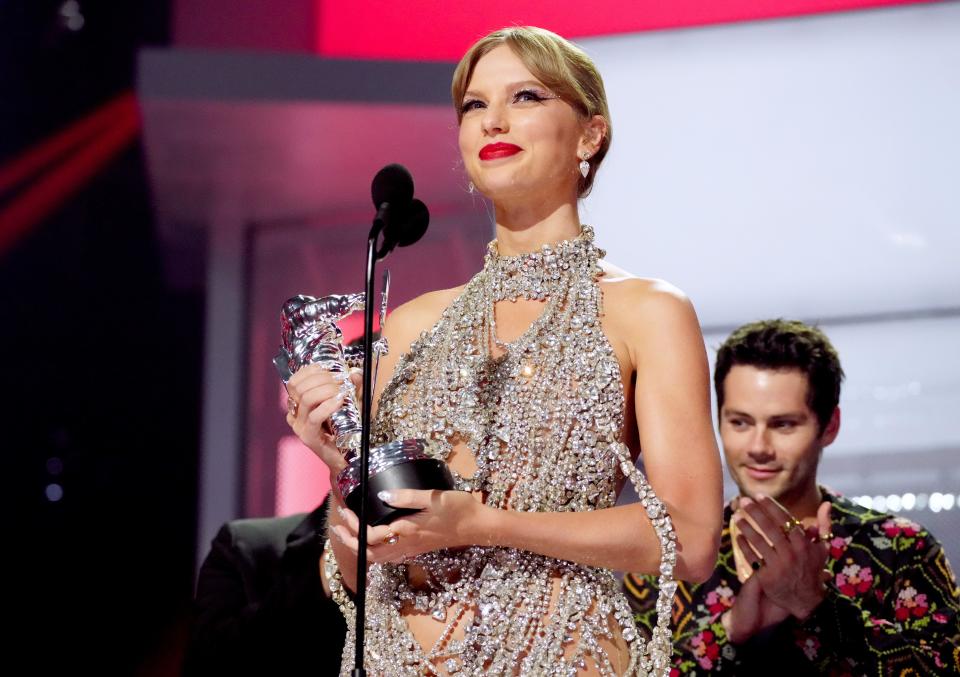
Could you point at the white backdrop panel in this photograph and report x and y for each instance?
(805, 167)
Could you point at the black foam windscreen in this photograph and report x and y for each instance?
(414, 224)
(392, 184)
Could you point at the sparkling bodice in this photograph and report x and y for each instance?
(540, 419)
(543, 422)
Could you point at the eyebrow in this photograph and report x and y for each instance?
(511, 86)
(799, 415)
(793, 415)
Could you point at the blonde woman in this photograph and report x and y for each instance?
(540, 380)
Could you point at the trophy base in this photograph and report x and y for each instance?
(421, 473)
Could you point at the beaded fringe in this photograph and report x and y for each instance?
(543, 422)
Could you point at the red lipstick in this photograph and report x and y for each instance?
(495, 151)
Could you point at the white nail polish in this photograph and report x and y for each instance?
(385, 496)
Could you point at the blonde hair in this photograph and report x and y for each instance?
(559, 64)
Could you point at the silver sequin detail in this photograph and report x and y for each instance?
(544, 424)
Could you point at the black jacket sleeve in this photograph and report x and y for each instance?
(260, 606)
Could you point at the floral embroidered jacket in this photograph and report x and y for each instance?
(892, 608)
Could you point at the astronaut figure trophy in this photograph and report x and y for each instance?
(310, 335)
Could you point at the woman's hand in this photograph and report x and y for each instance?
(447, 519)
(314, 395)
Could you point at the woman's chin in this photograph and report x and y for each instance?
(513, 190)
(501, 193)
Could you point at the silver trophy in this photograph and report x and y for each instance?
(310, 335)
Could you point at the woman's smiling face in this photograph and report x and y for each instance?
(517, 138)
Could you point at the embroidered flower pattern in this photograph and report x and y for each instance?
(896, 526)
(705, 649)
(810, 646)
(838, 545)
(719, 599)
(874, 559)
(854, 580)
(911, 603)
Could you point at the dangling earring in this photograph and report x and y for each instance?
(584, 165)
(470, 187)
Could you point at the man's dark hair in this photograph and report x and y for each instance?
(785, 344)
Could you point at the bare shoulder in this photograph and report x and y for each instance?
(406, 322)
(647, 316)
(624, 291)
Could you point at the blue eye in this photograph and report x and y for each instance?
(470, 105)
(528, 95)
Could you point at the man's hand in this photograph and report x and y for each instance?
(788, 561)
(752, 611)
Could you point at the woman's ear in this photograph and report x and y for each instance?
(594, 130)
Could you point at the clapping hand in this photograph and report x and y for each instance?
(788, 562)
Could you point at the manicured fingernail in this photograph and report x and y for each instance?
(385, 496)
(340, 376)
(341, 512)
(340, 396)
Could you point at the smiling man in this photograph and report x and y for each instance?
(806, 582)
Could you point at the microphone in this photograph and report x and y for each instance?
(402, 219)
(411, 224)
(392, 187)
(393, 183)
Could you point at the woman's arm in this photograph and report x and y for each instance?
(672, 403)
(663, 338)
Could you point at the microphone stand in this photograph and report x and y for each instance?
(361, 601)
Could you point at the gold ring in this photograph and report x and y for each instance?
(826, 537)
(787, 526)
(391, 538)
(292, 406)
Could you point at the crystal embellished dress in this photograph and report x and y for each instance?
(544, 423)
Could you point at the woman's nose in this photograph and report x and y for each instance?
(495, 119)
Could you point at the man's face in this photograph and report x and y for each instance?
(771, 438)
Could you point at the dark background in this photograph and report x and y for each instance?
(101, 367)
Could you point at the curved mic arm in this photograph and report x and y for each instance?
(404, 225)
(366, 406)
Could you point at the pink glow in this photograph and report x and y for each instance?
(440, 30)
(352, 327)
(302, 479)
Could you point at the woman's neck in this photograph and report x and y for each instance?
(528, 227)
